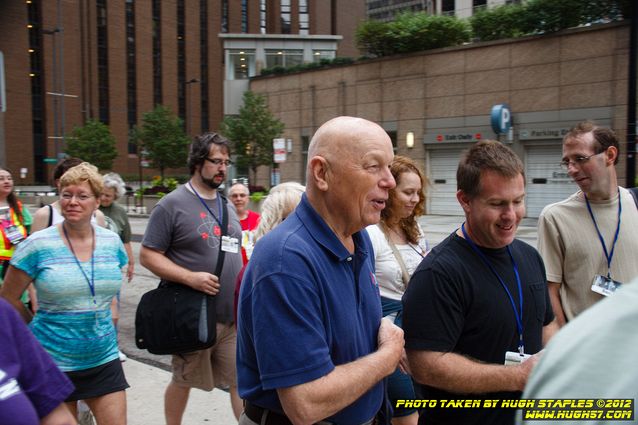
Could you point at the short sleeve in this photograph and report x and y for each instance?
(26, 257)
(159, 229)
(549, 247)
(298, 352)
(45, 385)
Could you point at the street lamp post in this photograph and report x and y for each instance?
(188, 103)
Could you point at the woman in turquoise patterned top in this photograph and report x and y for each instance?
(77, 270)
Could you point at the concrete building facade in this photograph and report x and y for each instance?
(443, 98)
(70, 60)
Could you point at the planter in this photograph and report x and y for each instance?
(137, 206)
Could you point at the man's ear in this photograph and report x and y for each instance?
(464, 200)
(611, 154)
(319, 170)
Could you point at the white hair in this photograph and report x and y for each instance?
(280, 202)
(114, 181)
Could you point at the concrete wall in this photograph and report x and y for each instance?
(579, 71)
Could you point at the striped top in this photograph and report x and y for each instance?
(76, 333)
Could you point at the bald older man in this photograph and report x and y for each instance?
(312, 347)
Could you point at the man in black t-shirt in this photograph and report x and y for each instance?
(477, 296)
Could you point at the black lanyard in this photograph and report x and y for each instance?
(608, 255)
(91, 281)
(518, 313)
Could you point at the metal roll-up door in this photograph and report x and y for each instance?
(441, 171)
(547, 182)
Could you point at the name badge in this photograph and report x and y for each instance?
(604, 285)
(230, 244)
(514, 358)
(14, 234)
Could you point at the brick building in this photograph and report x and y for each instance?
(70, 60)
(436, 103)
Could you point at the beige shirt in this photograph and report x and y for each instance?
(573, 254)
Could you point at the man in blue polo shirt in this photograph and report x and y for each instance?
(312, 347)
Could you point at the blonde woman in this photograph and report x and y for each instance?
(77, 270)
(280, 202)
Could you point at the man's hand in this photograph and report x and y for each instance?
(525, 368)
(391, 341)
(205, 282)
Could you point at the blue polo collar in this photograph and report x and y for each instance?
(323, 234)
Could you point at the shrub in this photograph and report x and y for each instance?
(411, 32)
(544, 16)
(505, 21)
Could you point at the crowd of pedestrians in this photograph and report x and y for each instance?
(330, 305)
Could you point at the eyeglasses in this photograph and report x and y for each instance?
(218, 161)
(82, 197)
(578, 161)
(238, 195)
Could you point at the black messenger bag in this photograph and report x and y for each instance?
(175, 318)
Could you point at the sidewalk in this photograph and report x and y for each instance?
(145, 399)
(148, 374)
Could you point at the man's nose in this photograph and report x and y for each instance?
(387, 181)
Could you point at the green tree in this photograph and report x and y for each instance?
(93, 143)
(162, 136)
(252, 132)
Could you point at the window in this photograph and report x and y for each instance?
(285, 16)
(317, 55)
(102, 62)
(447, 7)
(304, 20)
(241, 64)
(285, 58)
(157, 52)
(262, 16)
(181, 60)
(224, 16)
(131, 72)
(478, 5)
(203, 64)
(244, 16)
(37, 91)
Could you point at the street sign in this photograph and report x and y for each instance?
(501, 118)
(279, 148)
(50, 160)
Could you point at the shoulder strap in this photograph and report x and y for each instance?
(50, 215)
(634, 193)
(405, 276)
(222, 253)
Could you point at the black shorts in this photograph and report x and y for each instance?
(97, 381)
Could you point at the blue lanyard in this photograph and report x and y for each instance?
(91, 281)
(219, 205)
(608, 255)
(518, 313)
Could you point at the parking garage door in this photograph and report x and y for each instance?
(547, 182)
(441, 171)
